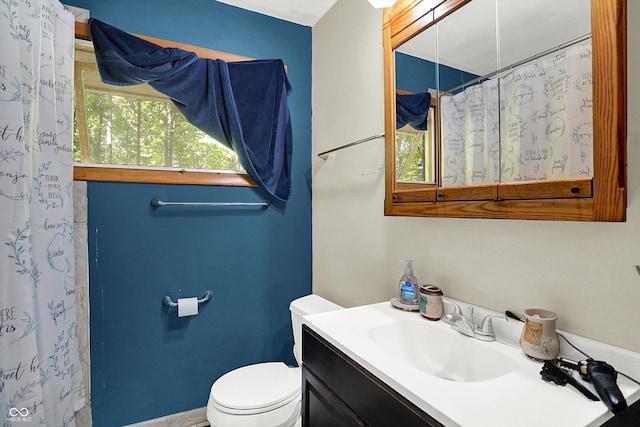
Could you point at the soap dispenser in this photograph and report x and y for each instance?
(409, 285)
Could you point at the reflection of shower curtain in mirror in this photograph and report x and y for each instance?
(40, 374)
(545, 123)
(470, 135)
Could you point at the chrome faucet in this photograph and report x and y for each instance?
(486, 332)
(467, 326)
(464, 325)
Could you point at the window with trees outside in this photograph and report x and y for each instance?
(136, 127)
(414, 153)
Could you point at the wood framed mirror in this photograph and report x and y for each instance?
(599, 194)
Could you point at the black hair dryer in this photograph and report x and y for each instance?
(600, 374)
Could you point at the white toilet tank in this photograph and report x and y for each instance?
(310, 304)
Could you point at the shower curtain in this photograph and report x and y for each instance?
(40, 373)
(471, 135)
(532, 123)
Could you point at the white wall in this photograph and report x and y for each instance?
(582, 271)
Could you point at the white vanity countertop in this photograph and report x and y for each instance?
(519, 398)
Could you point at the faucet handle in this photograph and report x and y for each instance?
(451, 318)
(456, 307)
(485, 332)
(487, 324)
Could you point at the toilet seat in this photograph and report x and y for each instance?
(256, 389)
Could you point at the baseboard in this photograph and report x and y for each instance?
(194, 418)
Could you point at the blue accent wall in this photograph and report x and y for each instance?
(145, 361)
(417, 75)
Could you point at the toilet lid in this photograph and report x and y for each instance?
(257, 388)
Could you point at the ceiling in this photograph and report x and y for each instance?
(468, 39)
(466, 50)
(303, 12)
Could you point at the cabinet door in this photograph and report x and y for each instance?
(344, 392)
(322, 408)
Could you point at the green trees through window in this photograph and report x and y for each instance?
(137, 126)
(414, 154)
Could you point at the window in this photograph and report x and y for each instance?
(134, 133)
(414, 153)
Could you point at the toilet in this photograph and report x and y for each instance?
(265, 394)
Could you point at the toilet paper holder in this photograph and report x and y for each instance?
(169, 303)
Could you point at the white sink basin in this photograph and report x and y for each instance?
(459, 380)
(444, 353)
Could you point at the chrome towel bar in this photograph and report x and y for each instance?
(156, 202)
(325, 154)
(169, 303)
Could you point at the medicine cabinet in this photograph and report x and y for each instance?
(526, 121)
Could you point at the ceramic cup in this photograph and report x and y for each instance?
(430, 303)
(539, 339)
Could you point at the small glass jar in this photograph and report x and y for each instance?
(430, 304)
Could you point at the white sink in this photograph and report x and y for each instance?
(444, 353)
(459, 380)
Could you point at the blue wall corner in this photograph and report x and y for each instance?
(145, 361)
(417, 75)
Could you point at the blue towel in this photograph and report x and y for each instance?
(241, 104)
(412, 109)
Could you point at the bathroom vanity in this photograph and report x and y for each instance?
(339, 392)
(378, 366)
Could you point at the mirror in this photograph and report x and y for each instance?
(416, 73)
(514, 115)
(540, 101)
(469, 104)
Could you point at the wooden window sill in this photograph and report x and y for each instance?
(160, 176)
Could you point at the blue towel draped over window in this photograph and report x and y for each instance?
(412, 109)
(241, 104)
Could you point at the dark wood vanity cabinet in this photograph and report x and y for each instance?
(337, 392)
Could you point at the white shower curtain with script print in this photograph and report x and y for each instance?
(532, 123)
(40, 373)
(547, 120)
(471, 135)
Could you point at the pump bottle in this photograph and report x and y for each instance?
(409, 287)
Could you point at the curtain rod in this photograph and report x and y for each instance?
(517, 64)
(325, 154)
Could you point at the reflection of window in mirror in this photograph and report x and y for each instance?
(525, 113)
(415, 149)
(415, 152)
